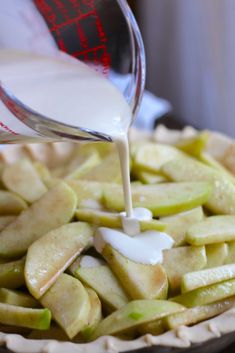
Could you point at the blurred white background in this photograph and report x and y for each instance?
(190, 47)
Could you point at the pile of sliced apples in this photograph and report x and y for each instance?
(53, 284)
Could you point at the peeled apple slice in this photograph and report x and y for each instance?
(50, 255)
(197, 314)
(207, 295)
(52, 210)
(222, 199)
(18, 298)
(22, 178)
(26, 317)
(162, 199)
(178, 224)
(11, 204)
(216, 254)
(140, 281)
(151, 156)
(12, 274)
(194, 280)
(102, 280)
(69, 304)
(95, 315)
(215, 229)
(178, 261)
(133, 314)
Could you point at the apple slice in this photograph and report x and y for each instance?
(151, 156)
(14, 297)
(161, 199)
(231, 253)
(113, 220)
(105, 284)
(69, 304)
(222, 199)
(154, 328)
(50, 255)
(177, 225)
(12, 274)
(134, 314)
(193, 145)
(216, 254)
(11, 204)
(148, 177)
(207, 295)
(26, 317)
(198, 279)
(95, 315)
(212, 162)
(197, 314)
(22, 178)
(215, 229)
(5, 220)
(108, 170)
(89, 193)
(140, 281)
(54, 209)
(178, 261)
(43, 172)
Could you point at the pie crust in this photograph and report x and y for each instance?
(220, 147)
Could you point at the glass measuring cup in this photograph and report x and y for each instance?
(102, 33)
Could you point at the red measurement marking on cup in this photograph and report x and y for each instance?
(7, 128)
(65, 20)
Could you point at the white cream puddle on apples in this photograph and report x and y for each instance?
(145, 247)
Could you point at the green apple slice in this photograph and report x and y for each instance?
(26, 317)
(22, 178)
(151, 156)
(108, 170)
(140, 281)
(43, 172)
(193, 145)
(198, 279)
(5, 220)
(149, 177)
(231, 253)
(11, 204)
(113, 220)
(161, 199)
(105, 284)
(216, 254)
(12, 274)
(89, 193)
(197, 314)
(14, 297)
(154, 328)
(69, 304)
(177, 225)
(50, 255)
(212, 162)
(207, 295)
(178, 261)
(134, 314)
(222, 199)
(215, 229)
(52, 210)
(95, 315)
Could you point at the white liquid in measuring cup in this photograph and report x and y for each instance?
(70, 93)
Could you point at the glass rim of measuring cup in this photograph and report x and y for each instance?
(50, 128)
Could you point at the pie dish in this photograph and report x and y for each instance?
(221, 148)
